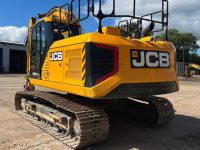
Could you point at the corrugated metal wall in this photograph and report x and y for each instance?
(180, 68)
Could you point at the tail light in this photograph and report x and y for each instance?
(102, 62)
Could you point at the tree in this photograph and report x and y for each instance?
(195, 58)
(127, 30)
(185, 43)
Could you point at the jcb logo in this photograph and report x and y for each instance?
(56, 56)
(149, 59)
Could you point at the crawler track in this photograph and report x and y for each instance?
(91, 121)
(158, 112)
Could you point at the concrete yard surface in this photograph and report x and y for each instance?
(183, 133)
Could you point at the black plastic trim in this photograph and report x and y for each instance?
(99, 63)
(142, 89)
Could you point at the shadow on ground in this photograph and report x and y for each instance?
(183, 133)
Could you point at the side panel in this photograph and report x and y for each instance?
(56, 65)
(73, 64)
(64, 65)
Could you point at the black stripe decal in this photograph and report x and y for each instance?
(83, 68)
(83, 59)
(83, 78)
(83, 48)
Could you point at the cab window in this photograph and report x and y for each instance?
(65, 31)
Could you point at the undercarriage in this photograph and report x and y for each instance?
(78, 124)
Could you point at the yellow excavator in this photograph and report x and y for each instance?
(90, 74)
(195, 66)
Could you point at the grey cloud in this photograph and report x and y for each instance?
(184, 14)
(184, 7)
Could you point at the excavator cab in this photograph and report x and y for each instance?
(44, 33)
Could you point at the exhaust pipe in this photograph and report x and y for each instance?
(147, 30)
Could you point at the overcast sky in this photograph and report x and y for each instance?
(184, 15)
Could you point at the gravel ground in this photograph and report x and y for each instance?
(182, 133)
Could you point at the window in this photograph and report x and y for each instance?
(38, 38)
(33, 45)
(65, 31)
(43, 39)
(35, 53)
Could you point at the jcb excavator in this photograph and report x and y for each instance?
(89, 74)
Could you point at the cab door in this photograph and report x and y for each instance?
(42, 38)
(36, 52)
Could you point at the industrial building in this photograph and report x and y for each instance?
(12, 58)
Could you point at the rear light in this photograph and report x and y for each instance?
(102, 62)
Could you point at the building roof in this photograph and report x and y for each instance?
(8, 43)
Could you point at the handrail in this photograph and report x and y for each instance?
(90, 9)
